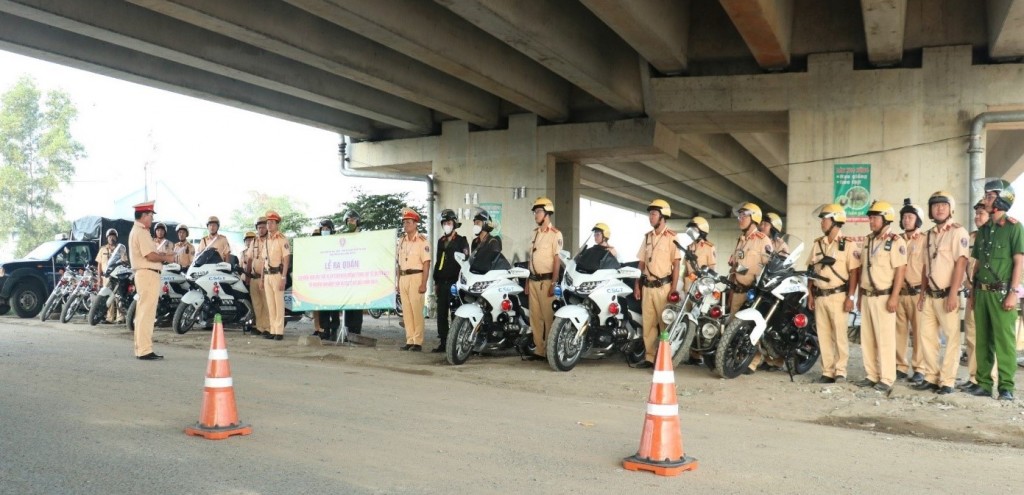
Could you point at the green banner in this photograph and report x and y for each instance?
(344, 271)
(852, 190)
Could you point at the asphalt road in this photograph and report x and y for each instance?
(79, 415)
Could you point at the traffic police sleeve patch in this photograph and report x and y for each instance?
(963, 241)
(903, 250)
(856, 254)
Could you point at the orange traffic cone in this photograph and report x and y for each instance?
(661, 444)
(219, 416)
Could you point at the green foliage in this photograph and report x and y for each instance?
(293, 216)
(379, 211)
(37, 155)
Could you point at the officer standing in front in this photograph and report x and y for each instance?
(659, 268)
(999, 249)
(276, 251)
(832, 301)
(544, 265)
(215, 240)
(413, 263)
(946, 253)
(184, 251)
(257, 291)
(911, 369)
(884, 261)
(353, 317)
(446, 271)
(146, 263)
(753, 249)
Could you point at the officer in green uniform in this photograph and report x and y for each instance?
(999, 249)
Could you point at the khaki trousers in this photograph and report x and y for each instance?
(541, 314)
(652, 304)
(259, 304)
(275, 302)
(931, 320)
(412, 307)
(907, 318)
(833, 339)
(878, 340)
(147, 284)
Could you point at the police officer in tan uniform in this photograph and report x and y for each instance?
(884, 259)
(256, 289)
(911, 217)
(659, 268)
(946, 257)
(184, 251)
(771, 226)
(102, 260)
(702, 249)
(753, 249)
(832, 301)
(146, 263)
(246, 259)
(980, 218)
(544, 266)
(275, 272)
(413, 265)
(215, 240)
(160, 239)
(602, 232)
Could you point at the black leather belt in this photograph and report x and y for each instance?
(937, 294)
(911, 291)
(536, 277)
(410, 272)
(658, 282)
(828, 292)
(873, 293)
(272, 270)
(996, 287)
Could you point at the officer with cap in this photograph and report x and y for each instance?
(884, 264)
(351, 223)
(102, 259)
(248, 240)
(353, 318)
(330, 321)
(771, 226)
(215, 240)
(184, 251)
(946, 253)
(704, 255)
(544, 267)
(483, 241)
(255, 270)
(446, 271)
(970, 329)
(413, 263)
(753, 249)
(160, 238)
(602, 233)
(146, 263)
(832, 300)
(659, 268)
(999, 249)
(276, 251)
(912, 369)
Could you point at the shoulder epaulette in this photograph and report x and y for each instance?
(955, 225)
(555, 230)
(670, 232)
(709, 243)
(758, 235)
(855, 238)
(422, 237)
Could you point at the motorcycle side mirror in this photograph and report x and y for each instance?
(827, 261)
(742, 269)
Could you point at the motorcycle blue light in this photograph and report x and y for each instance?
(453, 290)
(558, 291)
(751, 294)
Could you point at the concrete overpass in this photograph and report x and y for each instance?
(704, 103)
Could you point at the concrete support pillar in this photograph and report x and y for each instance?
(567, 201)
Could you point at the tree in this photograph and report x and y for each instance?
(293, 217)
(37, 158)
(378, 211)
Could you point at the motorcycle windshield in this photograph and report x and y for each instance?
(207, 257)
(596, 258)
(117, 255)
(487, 260)
(787, 250)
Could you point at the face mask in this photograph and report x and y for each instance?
(325, 231)
(477, 229)
(447, 229)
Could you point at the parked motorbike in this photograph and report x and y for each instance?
(493, 315)
(776, 316)
(215, 287)
(172, 287)
(119, 289)
(696, 321)
(82, 296)
(596, 320)
(59, 296)
(377, 313)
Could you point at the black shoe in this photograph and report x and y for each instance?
(917, 377)
(1005, 395)
(925, 385)
(865, 383)
(944, 390)
(881, 387)
(154, 356)
(319, 334)
(405, 347)
(900, 375)
(979, 391)
(279, 337)
(826, 379)
(268, 336)
(643, 365)
(534, 357)
(416, 348)
(966, 385)
(440, 348)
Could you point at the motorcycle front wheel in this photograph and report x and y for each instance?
(681, 336)
(70, 309)
(806, 355)
(129, 318)
(563, 353)
(460, 341)
(735, 352)
(375, 313)
(49, 306)
(184, 318)
(98, 310)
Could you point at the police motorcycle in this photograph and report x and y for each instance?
(81, 297)
(120, 285)
(173, 286)
(59, 296)
(215, 286)
(596, 319)
(696, 321)
(776, 316)
(492, 315)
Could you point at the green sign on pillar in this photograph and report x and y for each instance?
(852, 189)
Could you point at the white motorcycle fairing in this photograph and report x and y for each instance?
(471, 312)
(194, 298)
(751, 314)
(575, 314)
